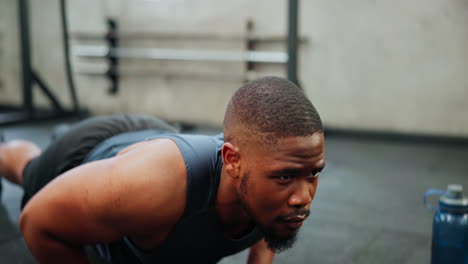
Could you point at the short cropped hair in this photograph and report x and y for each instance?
(273, 107)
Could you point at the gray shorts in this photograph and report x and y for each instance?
(69, 149)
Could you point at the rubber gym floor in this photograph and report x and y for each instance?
(368, 208)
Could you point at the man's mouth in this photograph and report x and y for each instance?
(295, 218)
(294, 222)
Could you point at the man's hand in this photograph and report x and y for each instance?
(260, 254)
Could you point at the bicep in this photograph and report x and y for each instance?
(105, 200)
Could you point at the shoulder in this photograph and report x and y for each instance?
(140, 191)
(152, 183)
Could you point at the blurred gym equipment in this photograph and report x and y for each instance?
(10, 114)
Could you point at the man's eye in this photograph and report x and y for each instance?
(285, 178)
(314, 176)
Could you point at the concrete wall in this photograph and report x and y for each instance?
(388, 65)
(375, 65)
(9, 56)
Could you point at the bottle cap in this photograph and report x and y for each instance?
(455, 191)
(453, 198)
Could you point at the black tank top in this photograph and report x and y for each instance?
(198, 236)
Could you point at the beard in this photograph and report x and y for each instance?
(275, 242)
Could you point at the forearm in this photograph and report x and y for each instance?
(47, 249)
(260, 254)
(260, 259)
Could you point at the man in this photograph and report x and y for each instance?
(137, 192)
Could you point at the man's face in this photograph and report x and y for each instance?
(278, 184)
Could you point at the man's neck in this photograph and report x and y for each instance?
(235, 221)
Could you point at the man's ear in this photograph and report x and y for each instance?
(231, 160)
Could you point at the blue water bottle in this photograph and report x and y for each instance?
(450, 226)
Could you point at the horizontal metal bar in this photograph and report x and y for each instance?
(252, 75)
(170, 75)
(188, 37)
(187, 55)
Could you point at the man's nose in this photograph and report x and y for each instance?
(302, 195)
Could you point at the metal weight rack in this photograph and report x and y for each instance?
(10, 114)
(112, 52)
